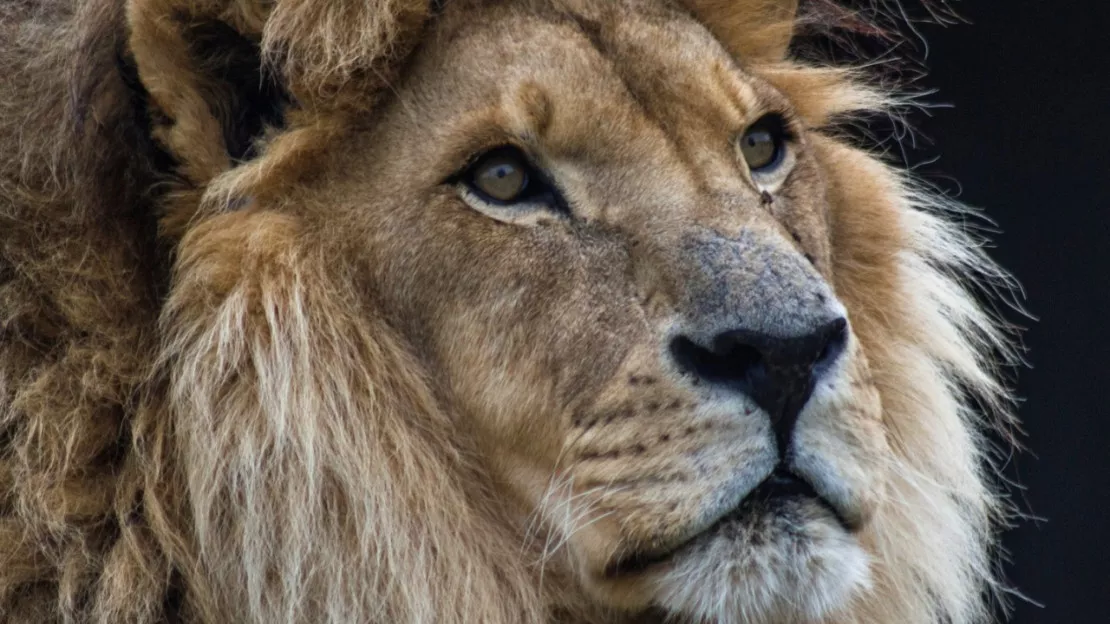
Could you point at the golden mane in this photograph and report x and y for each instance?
(156, 350)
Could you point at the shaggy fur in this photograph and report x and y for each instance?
(212, 407)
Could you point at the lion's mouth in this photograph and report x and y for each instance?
(780, 486)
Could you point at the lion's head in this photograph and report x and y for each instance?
(544, 310)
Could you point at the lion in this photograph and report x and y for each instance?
(524, 311)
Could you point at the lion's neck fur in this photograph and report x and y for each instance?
(296, 419)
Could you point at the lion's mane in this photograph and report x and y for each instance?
(157, 363)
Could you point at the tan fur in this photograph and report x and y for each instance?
(309, 383)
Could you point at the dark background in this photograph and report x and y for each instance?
(1028, 140)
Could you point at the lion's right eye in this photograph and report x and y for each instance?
(500, 175)
(504, 184)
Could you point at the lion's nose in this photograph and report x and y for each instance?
(777, 372)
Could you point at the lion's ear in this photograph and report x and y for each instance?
(218, 73)
(752, 30)
(207, 92)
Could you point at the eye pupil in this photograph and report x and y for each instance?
(762, 144)
(500, 176)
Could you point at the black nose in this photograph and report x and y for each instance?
(777, 372)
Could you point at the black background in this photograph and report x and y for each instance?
(1028, 140)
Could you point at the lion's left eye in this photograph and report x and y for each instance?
(763, 144)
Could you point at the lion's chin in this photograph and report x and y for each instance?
(781, 561)
(772, 560)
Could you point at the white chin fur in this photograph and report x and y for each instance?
(774, 570)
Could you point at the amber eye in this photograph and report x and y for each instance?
(763, 144)
(503, 183)
(500, 175)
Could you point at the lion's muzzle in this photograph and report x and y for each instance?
(777, 372)
(757, 320)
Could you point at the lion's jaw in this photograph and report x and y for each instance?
(760, 549)
(554, 336)
(679, 503)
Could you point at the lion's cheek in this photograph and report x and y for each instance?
(841, 442)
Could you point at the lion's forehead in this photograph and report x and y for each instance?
(643, 72)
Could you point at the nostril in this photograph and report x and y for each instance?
(835, 339)
(769, 368)
(778, 373)
(729, 362)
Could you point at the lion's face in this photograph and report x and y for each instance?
(609, 245)
(499, 311)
